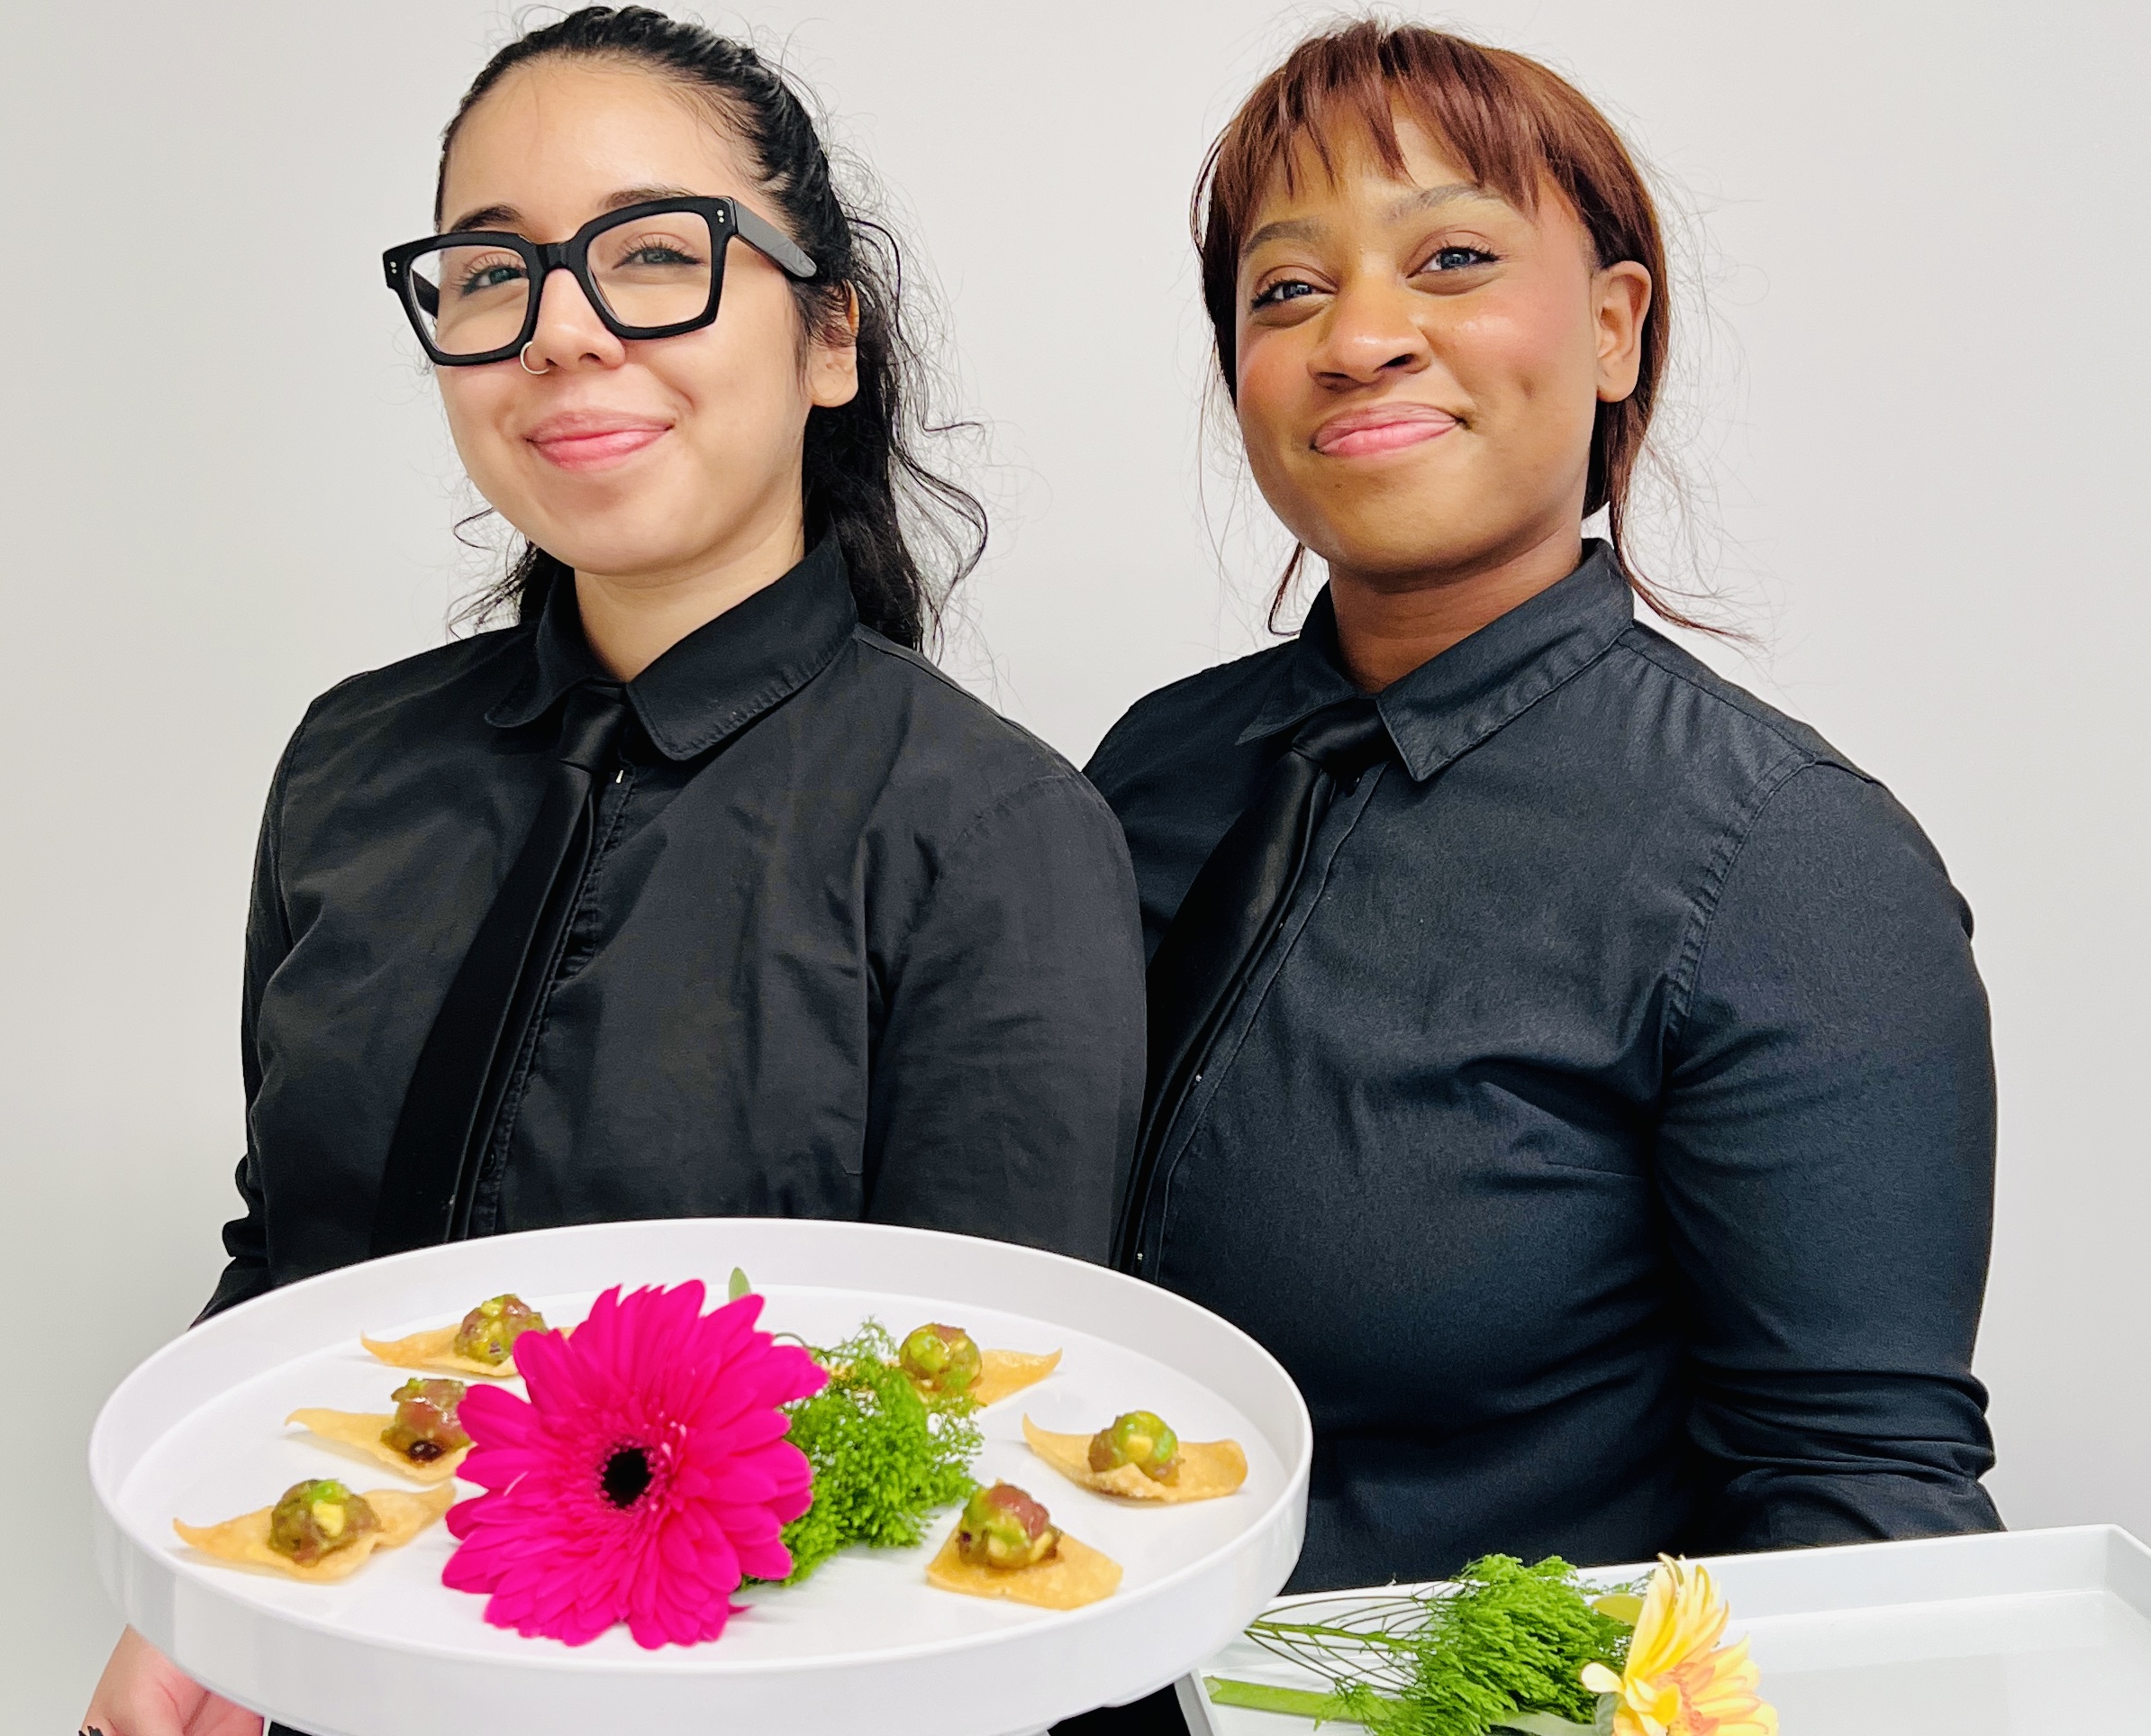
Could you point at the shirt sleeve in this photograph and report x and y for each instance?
(1826, 1159)
(268, 940)
(1008, 1075)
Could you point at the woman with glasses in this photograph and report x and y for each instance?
(697, 890)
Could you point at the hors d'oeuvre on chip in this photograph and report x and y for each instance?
(1138, 1455)
(422, 1437)
(945, 1360)
(483, 1343)
(318, 1530)
(1006, 1545)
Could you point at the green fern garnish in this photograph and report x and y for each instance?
(1501, 1648)
(884, 1457)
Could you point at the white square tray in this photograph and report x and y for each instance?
(2015, 1633)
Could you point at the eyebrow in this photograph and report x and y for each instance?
(1419, 200)
(506, 217)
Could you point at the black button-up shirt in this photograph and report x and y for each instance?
(850, 945)
(1605, 1141)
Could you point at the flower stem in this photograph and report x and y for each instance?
(1260, 1697)
(1358, 1636)
(1334, 1709)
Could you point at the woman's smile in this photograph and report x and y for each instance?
(594, 439)
(1381, 428)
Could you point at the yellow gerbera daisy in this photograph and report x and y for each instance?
(1679, 1680)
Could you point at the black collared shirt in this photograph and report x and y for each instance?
(850, 945)
(1605, 1141)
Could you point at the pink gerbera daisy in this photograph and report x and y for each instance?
(644, 1476)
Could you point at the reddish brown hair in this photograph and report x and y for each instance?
(1514, 125)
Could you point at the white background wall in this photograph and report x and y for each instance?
(1925, 413)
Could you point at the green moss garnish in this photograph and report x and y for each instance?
(884, 1457)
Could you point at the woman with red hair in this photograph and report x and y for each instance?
(1573, 1069)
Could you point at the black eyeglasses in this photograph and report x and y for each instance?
(650, 271)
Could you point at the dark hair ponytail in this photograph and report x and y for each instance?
(863, 479)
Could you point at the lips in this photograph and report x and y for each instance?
(592, 440)
(1382, 427)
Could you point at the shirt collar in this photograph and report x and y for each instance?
(1453, 702)
(720, 676)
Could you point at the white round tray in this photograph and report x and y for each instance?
(195, 1432)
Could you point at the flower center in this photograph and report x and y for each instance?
(625, 1476)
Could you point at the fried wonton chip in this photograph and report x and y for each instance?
(1002, 1373)
(1073, 1575)
(1206, 1468)
(245, 1542)
(436, 1350)
(362, 1432)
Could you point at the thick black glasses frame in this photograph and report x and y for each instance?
(726, 218)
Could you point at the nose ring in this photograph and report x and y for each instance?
(525, 359)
